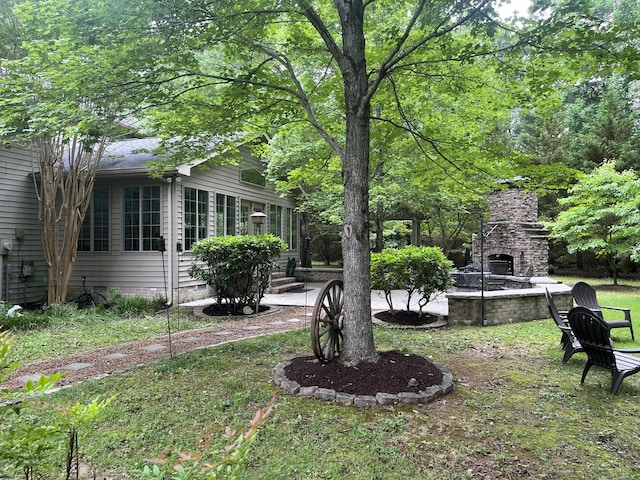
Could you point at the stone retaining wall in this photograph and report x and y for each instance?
(316, 274)
(501, 307)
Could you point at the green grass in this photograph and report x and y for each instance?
(516, 412)
(64, 330)
(626, 294)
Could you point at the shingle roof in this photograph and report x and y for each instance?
(129, 154)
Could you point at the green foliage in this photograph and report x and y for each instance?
(417, 270)
(22, 319)
(602, 214)
(238, 267)
(133, 306)
(231, 461)
(30, 443)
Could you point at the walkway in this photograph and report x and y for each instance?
(91, 364)
(307, 296)
(290, 310)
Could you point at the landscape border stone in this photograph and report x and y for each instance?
(380, 399)
(440, 322)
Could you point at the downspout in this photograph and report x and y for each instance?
(170, 238)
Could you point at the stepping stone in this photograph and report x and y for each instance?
(252, 327)
(189, 340)
(294, 320)
(222, 333)
(115, 356)
(278, 322)
(154, 348)
(77, 366)
(30, 378)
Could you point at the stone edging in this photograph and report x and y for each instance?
(439, 323)
(422, 396)
(199, 312)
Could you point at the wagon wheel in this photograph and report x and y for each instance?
(327, 321)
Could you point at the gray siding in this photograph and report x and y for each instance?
(19, 211)
(144, 273)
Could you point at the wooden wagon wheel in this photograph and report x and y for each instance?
(327, 321)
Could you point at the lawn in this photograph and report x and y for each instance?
(516, 412)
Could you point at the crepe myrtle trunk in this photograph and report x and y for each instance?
(358, 343)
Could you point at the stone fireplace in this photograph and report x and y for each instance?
(514, 243)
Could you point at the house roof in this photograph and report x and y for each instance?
(130, 154)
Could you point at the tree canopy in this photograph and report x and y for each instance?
(602, 215)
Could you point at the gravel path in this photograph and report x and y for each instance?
(106, 361)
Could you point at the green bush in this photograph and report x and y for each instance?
(417, 270)
(238, 268)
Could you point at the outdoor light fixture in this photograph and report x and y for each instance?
(258, 218)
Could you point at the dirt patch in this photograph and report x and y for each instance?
(393, 373)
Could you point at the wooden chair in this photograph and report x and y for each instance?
(585, 296)
(569, 342)
(593, 333)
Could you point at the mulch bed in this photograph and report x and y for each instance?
(393, 373)
(405, 318)
(217, 310)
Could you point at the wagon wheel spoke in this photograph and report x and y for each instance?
(326, 331)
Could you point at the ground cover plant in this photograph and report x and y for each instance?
(516, 412)
(63, 329)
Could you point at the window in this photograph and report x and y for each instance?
(141, 218)
(94, 233)
(275, 221)
(196, 207)
(292, 229)
(251, 175)
(225, 215)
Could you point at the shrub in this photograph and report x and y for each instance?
(417, 270)
(238, 268)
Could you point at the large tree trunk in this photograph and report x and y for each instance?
(358, 329)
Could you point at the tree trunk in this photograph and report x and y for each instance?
(64, 196)
(379, 229)
(358, 328)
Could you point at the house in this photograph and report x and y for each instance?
(22, 266)
(132, 215)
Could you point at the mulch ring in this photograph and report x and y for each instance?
(397, 377)
(408, 319)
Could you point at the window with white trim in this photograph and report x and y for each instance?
(94, 233)
(196, 218)
(141, 218)
(225, 215)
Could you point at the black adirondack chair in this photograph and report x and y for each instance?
(593, 333)
(569, 342)
(585, 296)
